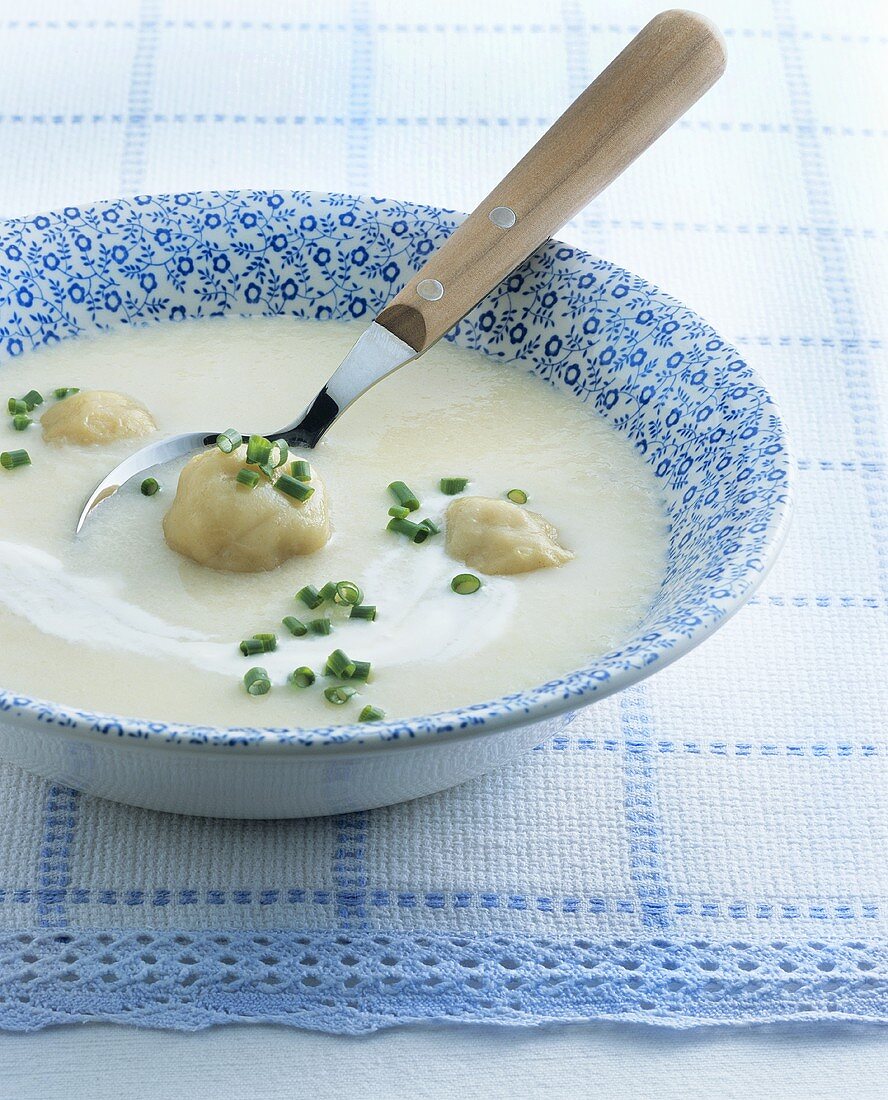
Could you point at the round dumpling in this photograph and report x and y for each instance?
(497, 536)
(222, 524)
(96, 416)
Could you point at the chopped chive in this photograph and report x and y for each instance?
(338, 695)
(310, 596)
(399, 512)
(300, 469)
(340, 665)
(268, 642)
(347, 594)
(258, 450)
(10, 460)
(363, 611)
(229, 440)
(293, 487)
(267, 469)
(302, 677)
(464, 584)
(251, 646)
(433, 527)
(414, 531)
(16, 406)
(256, 681)
(328, 590)
(296, 627)
(320, 626)
(33, 398)
(283, 452)
(452, 485)
(247, 477)
(149, 487)
(404, 495)
(362, 671)
(21, 422)
(517, 496)
(371, 714)
(65, 391)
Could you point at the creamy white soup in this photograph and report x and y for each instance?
(115, 621)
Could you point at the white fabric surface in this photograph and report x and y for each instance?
(607, 1061)
(764, 211)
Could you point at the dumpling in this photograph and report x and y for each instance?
(497, 536)
(96, 416)
(224, 525)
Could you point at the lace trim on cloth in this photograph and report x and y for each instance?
(358, 981)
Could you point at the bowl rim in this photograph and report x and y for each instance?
(537, 703)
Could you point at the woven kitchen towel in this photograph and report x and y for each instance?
(707, 847)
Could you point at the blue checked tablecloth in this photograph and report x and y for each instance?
(707, 847)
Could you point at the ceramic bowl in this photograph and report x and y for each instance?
(654, 369)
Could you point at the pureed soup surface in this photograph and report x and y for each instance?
(114, 621)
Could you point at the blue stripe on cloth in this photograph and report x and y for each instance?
(579, 75)
(141, 89)
(860, 382)
(360, 98)
(353, 899)
(350, 869)
(640, 807)
(59, 824)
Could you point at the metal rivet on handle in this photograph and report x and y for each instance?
(430, 289)
(503, 216)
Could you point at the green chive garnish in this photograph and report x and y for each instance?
(258, 450)
(398, 512)
(246, 477)
(267, 469)
(283, 452)
(371, 714)
(340, 665)
(268, 642)
(347, 594)
(453, 485)
(32, 398)
(310, 596)
(328, 590)
(404, 496)
(21, 422)
(300, 469)
(338, 695)
(150, 486)
(10, 460)
(362, 671)
(363, 611)
(229, 440)
(64, 391)
(16, 406)
(296, 627)
(251, 646)
(464, 584)
(293, 487)
(320, 626)
(414, 531)
(256, 681)
(433, 528)
(302, 677)
(517, 496)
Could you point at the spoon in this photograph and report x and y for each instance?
(663, 71)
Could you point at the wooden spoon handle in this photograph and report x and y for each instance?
(661, 73)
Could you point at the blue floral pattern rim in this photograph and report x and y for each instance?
(654, 369)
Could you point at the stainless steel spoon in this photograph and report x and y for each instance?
(661, 73)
